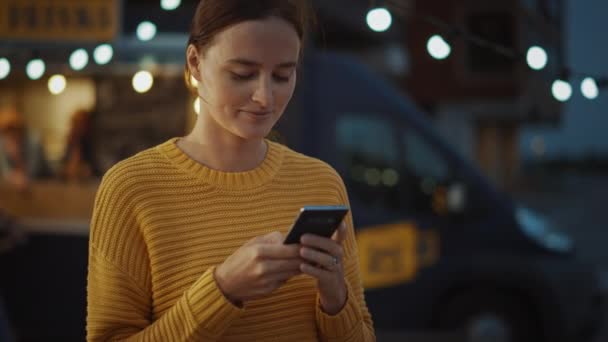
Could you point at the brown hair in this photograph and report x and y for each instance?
(213, 16)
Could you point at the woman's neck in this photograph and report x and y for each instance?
(222, 151)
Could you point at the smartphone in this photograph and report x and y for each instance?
(318, 220)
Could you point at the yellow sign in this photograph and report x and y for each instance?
(59, 20)
(392, 254)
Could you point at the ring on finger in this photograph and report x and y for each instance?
(334, 263)
(335, 260)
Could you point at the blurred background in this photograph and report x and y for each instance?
(471, 136)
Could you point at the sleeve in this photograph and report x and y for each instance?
(119, 294)
(353, 322)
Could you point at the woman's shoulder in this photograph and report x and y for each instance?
(141, 164)
(297, 160)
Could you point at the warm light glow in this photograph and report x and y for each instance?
(35, 69)
(103, 54)
(562, 90)
(5, 68)
(146, 31)
(193, 81)
(537, 58)
(589, 88)
(142, 81)
(79, 59)
(379, 19)
(57, 84)
(438, 48)
(197, 105)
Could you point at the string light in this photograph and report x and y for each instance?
(536, 56)
(438, 48)
(5, 68)
(589, 88)
(79, 59)
(103, 54)
(562, 90)
(142, 81)
(169, 5)
(379, 19)
(146, 31)
(57, 84)
(35, 68)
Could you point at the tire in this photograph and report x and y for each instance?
(490, 316)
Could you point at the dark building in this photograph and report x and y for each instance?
(481, 97)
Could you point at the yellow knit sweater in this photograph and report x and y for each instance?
(161, 224)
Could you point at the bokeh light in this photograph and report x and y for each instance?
(142, 81)
(379, 19)
(438, 48)
(57, 84)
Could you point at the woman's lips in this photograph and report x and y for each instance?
(257, 114)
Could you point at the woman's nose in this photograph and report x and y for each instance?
(263, 93)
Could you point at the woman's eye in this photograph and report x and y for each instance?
(242, 77)
(248, 77)
(281, 79)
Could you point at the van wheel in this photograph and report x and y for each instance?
(490, 316)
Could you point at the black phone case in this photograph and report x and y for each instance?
(321, 221)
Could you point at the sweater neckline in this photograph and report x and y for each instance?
(258, 176)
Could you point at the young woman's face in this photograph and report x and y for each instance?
(247, 76)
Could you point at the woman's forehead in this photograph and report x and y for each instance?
(270, 41)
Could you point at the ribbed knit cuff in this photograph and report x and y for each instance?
(209, 307)
(342, 323)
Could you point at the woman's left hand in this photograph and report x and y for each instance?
(324, 262)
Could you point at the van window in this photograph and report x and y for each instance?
(369, 149)
(422, 158)
(391, 165)
(425, 174)
(369, 137)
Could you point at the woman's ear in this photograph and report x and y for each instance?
(192, 58)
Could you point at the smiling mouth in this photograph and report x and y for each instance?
(257, 113)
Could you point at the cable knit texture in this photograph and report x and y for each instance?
(161, 224)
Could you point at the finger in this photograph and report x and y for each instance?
(278, 251)
(318, 242)
(315, 272)
(275, 281)
(280, 266)
(283, 277)
(340, 233)
(327, 261)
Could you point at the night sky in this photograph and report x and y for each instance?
(584, 127)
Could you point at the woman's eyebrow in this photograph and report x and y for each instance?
(250, 63)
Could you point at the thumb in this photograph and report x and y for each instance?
(254, 240)
(274, 237)
(340, 233)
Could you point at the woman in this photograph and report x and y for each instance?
(186, 237)
(21, 155)
(78, 162)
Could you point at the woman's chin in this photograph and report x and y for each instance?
(253, 133)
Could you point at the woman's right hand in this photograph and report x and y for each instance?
(258, 268)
